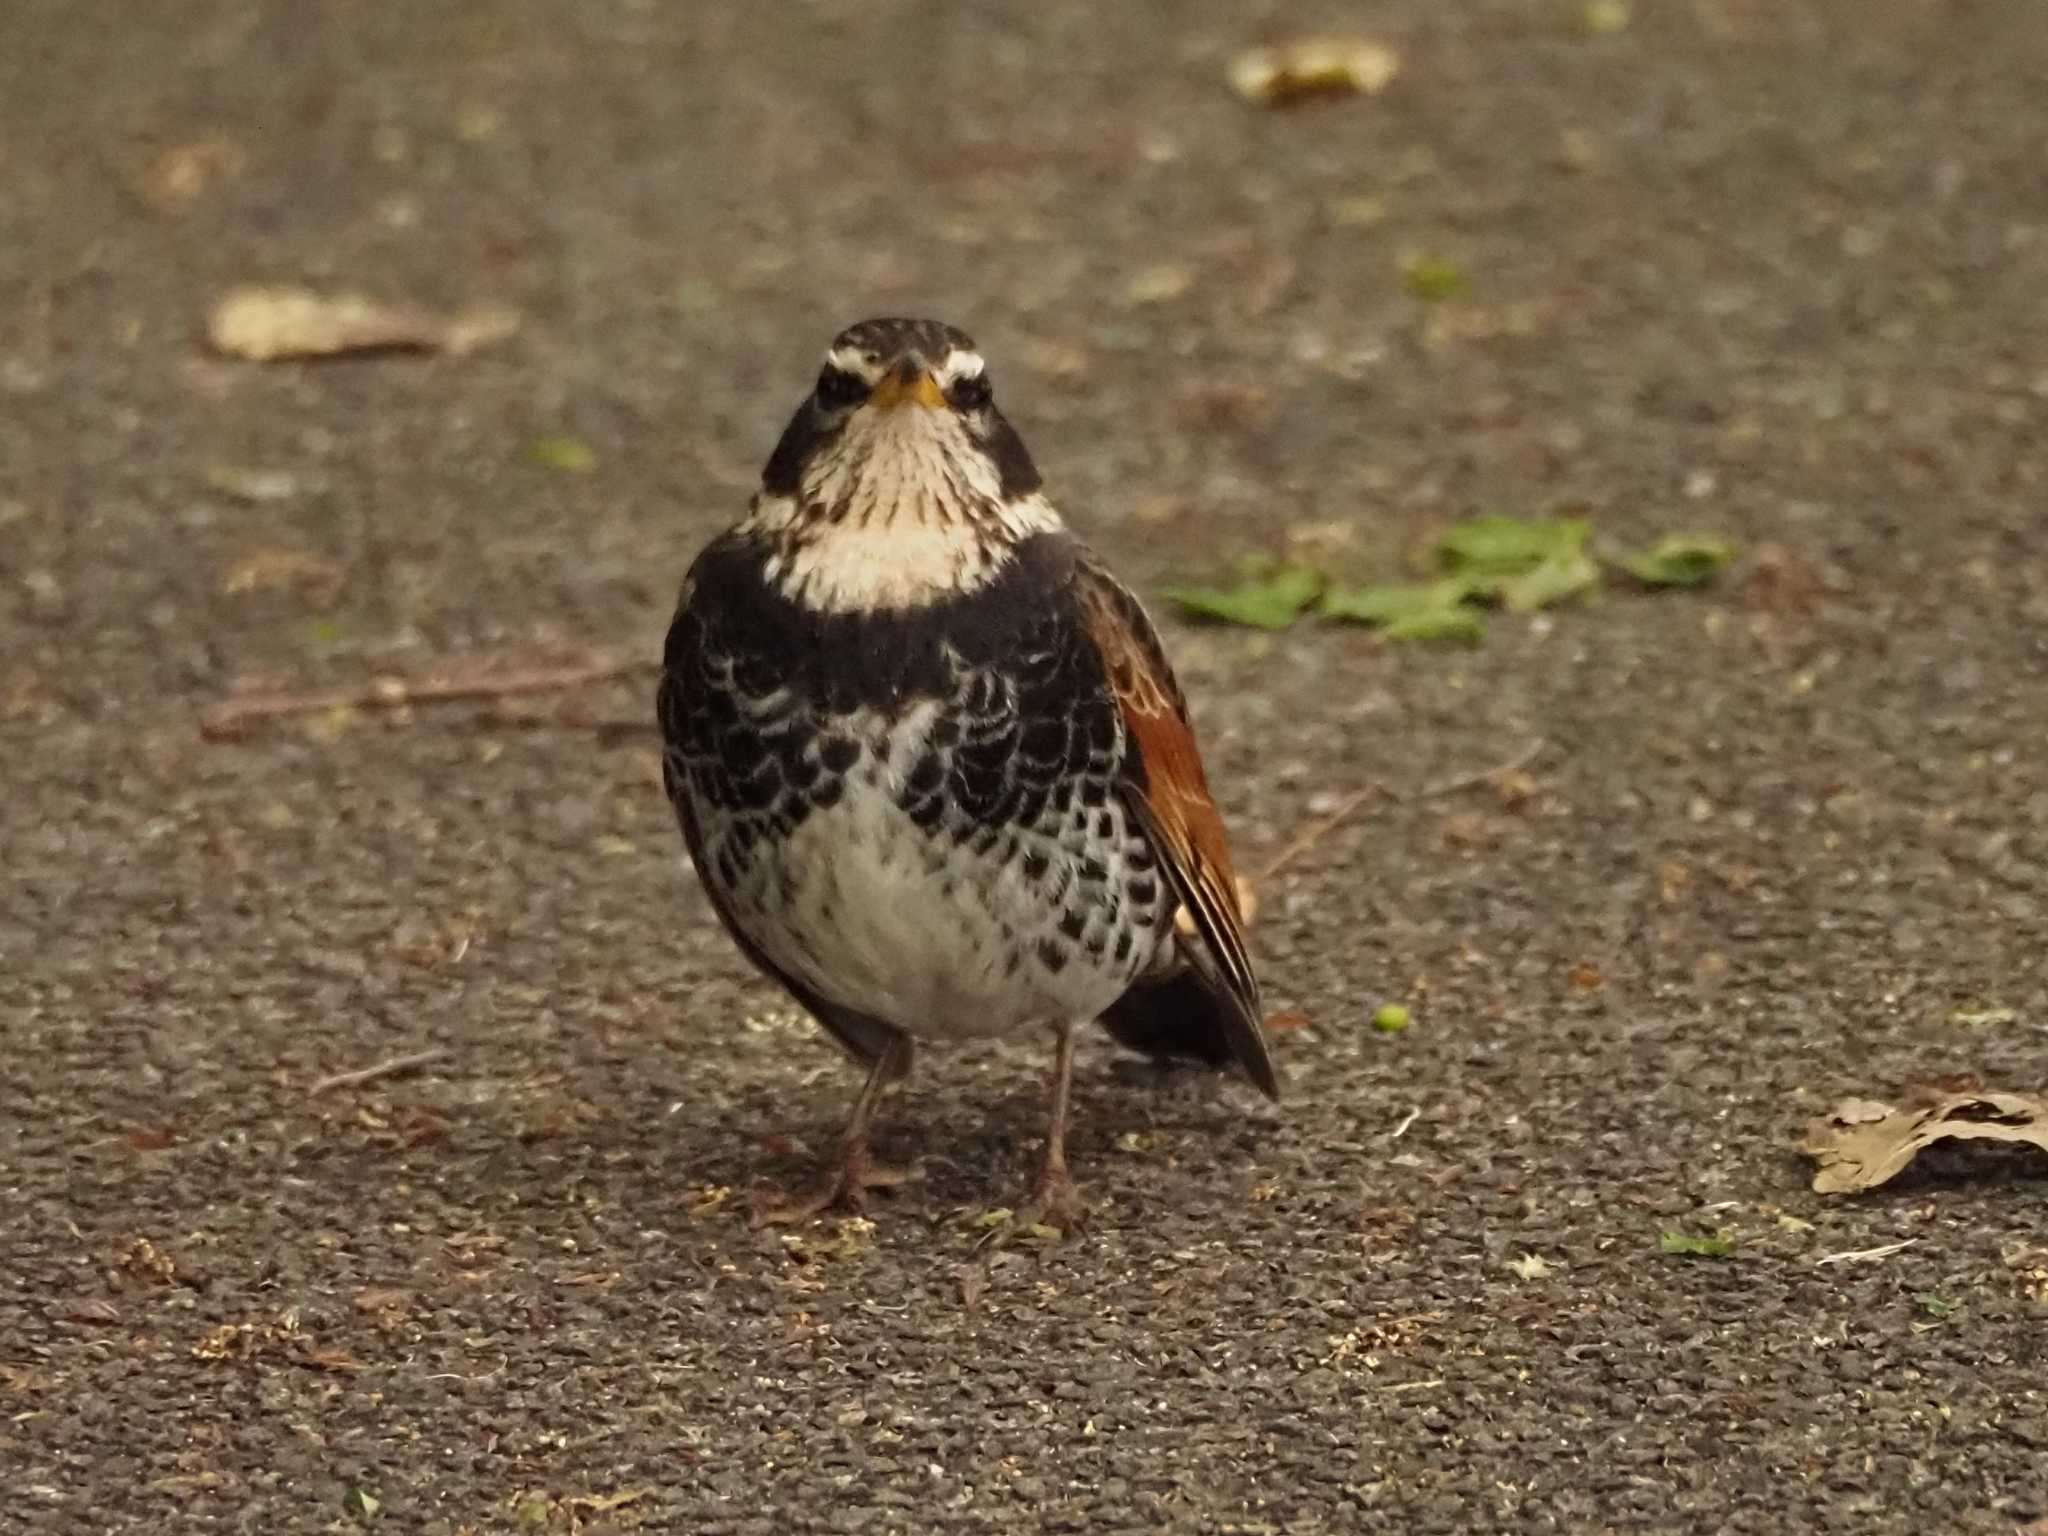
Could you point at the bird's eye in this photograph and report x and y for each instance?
(970, 392)
(839, 390)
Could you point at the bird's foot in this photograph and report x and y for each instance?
(1054, 1205)
(846, 1184)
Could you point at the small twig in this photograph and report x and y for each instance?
(392, 1068)
(1317, 830)
(1402, 1129)
(1451, 786)
(224, 721)
(1866, 1255)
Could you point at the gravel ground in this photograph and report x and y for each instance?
(1769, 269)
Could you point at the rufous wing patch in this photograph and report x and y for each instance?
(1170, 794)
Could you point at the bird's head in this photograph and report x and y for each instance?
(897, 478)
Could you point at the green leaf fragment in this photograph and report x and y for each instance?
(1679, 560)
(1430, 610)
(1496, 546)
(561, 451)
(363, 1506)
(1433, 279)
(1689, 1245)
(1271, 600)
(1390, 1018)
(1550, 581)
(1934, 1305)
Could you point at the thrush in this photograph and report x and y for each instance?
(930, 762)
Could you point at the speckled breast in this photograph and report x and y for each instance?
(916, 814)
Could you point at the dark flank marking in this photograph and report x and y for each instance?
(1035, 865)
(1051, 956)
(1073, 923)
(1093, 871)
(927, 776)
(1045, 741)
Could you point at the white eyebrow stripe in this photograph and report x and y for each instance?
(960, 364)
(858, 363)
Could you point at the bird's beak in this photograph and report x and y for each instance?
(910, 384)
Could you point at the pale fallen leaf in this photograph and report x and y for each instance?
(1530, 1267)
(252, 485)
(1159, 284)
(1360, 212)
(270, 324)
(270, 570)
(1857, 1149)
(1313, 66)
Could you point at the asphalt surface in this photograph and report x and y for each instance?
(1770, 270)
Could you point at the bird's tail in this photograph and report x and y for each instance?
(1183, 1015)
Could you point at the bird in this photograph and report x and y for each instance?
(931, 765)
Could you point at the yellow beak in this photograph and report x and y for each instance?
(909, 385)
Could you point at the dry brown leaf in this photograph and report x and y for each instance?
(145, 1258)
(1864, 1144)
(271, 324)
(1313, 66)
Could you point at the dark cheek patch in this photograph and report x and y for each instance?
(1012, 459)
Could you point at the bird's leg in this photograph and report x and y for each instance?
(1054, 1201)
(853, 1171)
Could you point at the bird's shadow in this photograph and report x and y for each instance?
(976, 1140)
